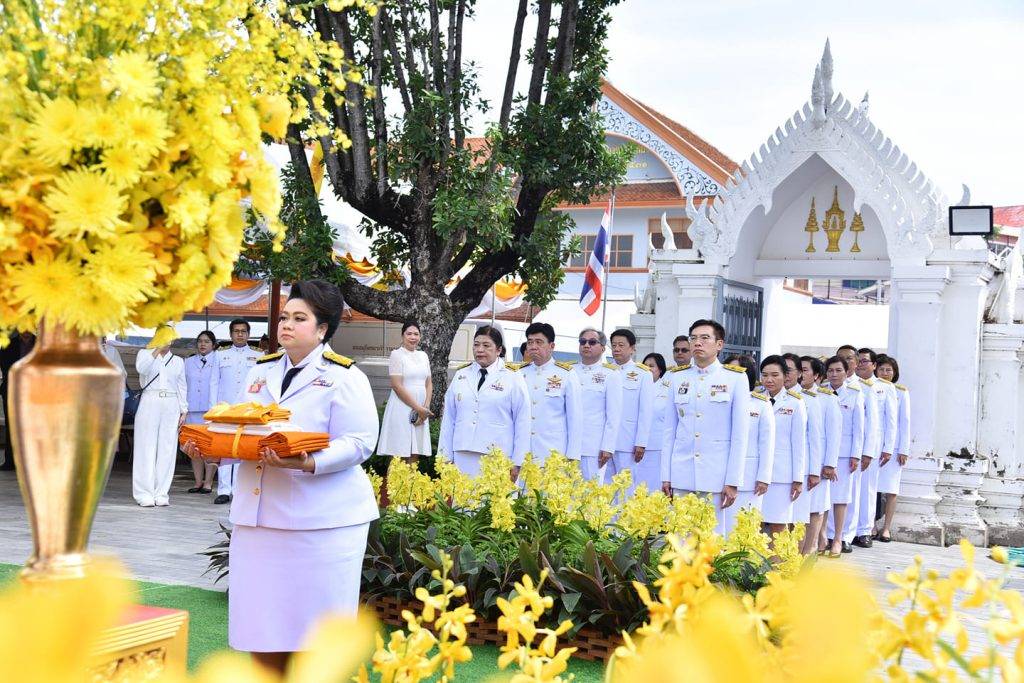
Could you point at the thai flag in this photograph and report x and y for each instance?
(593, 277)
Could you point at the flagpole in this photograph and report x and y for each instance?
(607, 260)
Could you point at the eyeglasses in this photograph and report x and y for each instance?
(589, 342)
(864, 361)
(680, 349)
(701, 338)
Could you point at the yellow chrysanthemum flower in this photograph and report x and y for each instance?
(56, 131)
(100, 126)
(145, 129)
(121, 165)
(135, 76)
(41, 285)
(190, 209)
(88, 307)
(118, 268)
(85, 202)
(275, 111)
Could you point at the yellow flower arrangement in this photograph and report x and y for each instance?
(541, 661)
(132, 137)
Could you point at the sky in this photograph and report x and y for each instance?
(946, 78)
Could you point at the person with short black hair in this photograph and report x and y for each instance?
(201, 378)
(300, 523)
(602, 403)
(648, 470)
(405, 429)
(851, 404)
(681, 353)
(789, 467)
(486, 406)
(556, 409)
(812, 373)
(815, 438)
(708, 423)
(891, 471)
(883, 425)
(637, 397)
(233, 364)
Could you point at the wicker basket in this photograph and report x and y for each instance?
(590, 643)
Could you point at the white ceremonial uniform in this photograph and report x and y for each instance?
(556, 410)
(601, 388)
(851, 405)
(815, 453)
(648, 470)
(156, 425)
(497, 415)
(635, 423)
(233, 364)
(832, 434)
(760, 458)
(887, 404)
(706, 430)
(890, 474)
(201, 378)
(790, 464)
(872, 448)
(299, 538)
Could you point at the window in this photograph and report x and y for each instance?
(678, 226)
(620, 256)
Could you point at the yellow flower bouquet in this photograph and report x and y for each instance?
(132, 137)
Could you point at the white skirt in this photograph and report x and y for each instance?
(282, 582)
(889, 476)
(802, 505)
(776, 506)
(744, 499)
(842, 487)
(398, 436)
(821, 496)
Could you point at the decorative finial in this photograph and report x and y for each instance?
(666, 233)
(826, 75)
(811, 227)
(965, 198)
(817, 99)
(864, 105)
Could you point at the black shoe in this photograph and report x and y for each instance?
(222, 499)
(196, 489)
(847, 548)
(862, 542)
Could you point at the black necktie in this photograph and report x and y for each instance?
(203, 361)
(772, 400)
(288, 377)
(483, 376)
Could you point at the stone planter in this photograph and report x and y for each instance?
(959, 486)
(915, 520)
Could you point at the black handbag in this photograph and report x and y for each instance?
(132, 398)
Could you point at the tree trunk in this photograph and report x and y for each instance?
(438, 326)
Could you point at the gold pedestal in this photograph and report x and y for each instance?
(65, 402)
(148, 644)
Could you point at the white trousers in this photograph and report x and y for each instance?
(468, 462)
(226, 471)
(620, 462)
(716, 500)
(868, 499)
(850, 526)
(744, 499)
(647, 471)
(590, 470)
(156, 448)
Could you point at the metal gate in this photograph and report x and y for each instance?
(739, 307)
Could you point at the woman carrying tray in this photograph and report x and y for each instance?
(300, 523)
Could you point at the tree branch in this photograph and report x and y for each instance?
(380, 128)
(513, 67)
(389, 38)
(440, 87)
(540, 52)
(561, 64)
(356, 110)
(456, 78)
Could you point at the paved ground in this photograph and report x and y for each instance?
(162, 544)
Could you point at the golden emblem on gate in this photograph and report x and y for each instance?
(835, 223)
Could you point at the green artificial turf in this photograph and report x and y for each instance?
(208, 629)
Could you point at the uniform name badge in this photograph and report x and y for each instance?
(717, 389)
(598, 379)
(497, 386)
(321, 382)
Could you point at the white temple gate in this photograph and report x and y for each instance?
(955, 320)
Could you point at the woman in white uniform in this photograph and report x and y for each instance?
(411, 391)
(161, 411)
(201, 376)
(851, 406)
(757, 465)
(300, 523)
(789, 467)
(891, 472)
(648, 470)
(487, 406)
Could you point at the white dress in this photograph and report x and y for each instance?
(398, 436)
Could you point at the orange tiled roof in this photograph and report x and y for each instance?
(1009, 216)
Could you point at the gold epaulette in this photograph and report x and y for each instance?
(610, 366)
(795, 394)
(735, 368)
(883, 380)
(808, 392)
(269, 357)
(338, 359)
(643, 366)
(564, 364)
(826, 390)
(901, 387)
(853, 386)
(755, 394)
(866, 382)
(516, 367)
(677, 368)
(463, 366)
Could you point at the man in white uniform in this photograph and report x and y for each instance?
(601, 388)
(815, 438)
(556, 412)
(872, 443)
(233, 363)
(681, 353)
(637, 400)
(886, 405)
(707, 423)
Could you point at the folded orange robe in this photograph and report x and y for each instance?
(247, 413)
(248, 446)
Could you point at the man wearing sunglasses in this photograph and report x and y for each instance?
(601, 385)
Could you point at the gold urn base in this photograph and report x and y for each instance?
(65, 402)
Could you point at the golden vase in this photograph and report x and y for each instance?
(65, 401)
